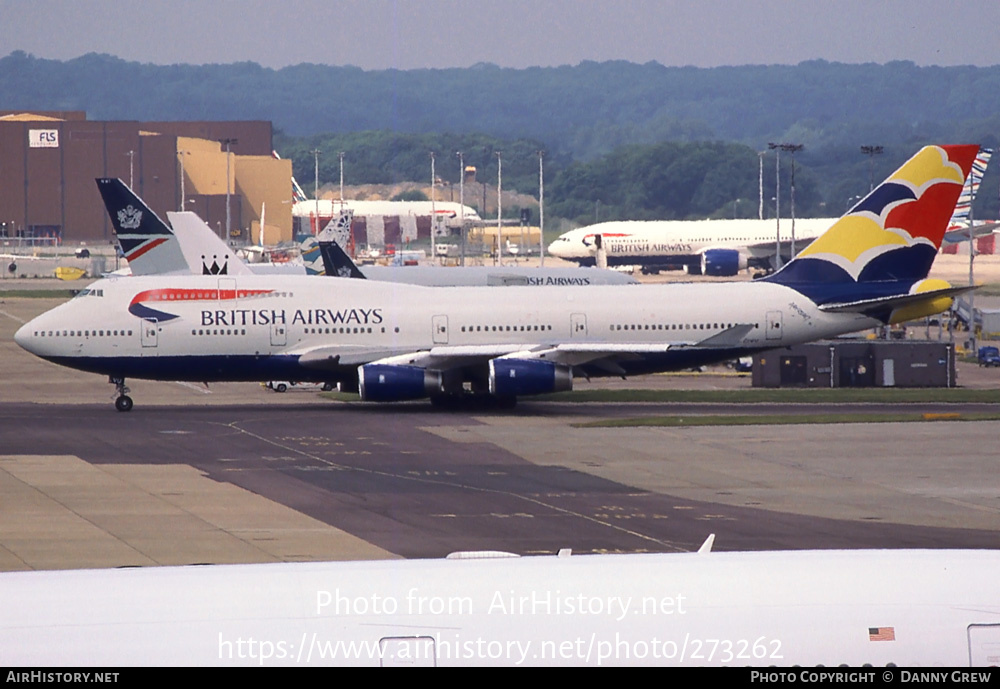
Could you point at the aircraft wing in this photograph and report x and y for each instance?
(333, 357)
(447, 357)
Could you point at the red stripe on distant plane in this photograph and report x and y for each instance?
(139, 251)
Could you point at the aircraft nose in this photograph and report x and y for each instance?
(23, 336)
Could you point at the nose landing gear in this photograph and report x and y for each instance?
(123, 402)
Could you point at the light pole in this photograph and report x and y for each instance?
(777, 202)
(499, 206)
(433, 208)
(180, 156)
(461, 199)
(541, 209)
(341, 157)
(792, 149)
(760, 184)
(131, 176)
(316, 153)
(871, 152)
(227, 143)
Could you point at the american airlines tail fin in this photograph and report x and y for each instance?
(875, 260)
(146, 242)
(204, 252)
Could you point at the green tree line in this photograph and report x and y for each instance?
(621, 139)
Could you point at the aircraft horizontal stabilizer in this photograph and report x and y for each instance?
(961, 234)
(882, 304)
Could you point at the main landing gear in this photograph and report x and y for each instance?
(123, 402)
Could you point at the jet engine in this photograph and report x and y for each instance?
(722, 262)
(391, 383)
(512, 377)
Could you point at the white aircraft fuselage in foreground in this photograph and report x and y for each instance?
(809, 608)
(401, 342)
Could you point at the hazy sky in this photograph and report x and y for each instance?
(378, 34)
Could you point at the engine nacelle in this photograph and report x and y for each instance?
(722, 262)
(513, 377)
(388, 383)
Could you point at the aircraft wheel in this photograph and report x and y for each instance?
(123, 403)
(280, 387)
(327, 387)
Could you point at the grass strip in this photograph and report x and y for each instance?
(787, 396)
(781, 420)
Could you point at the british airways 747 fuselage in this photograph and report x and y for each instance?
(206, 328)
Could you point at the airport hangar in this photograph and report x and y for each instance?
(49, 160)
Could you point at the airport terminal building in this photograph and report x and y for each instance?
(49, 160)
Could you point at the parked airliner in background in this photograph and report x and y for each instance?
(702, 247)
(842, 609)
(447, 213)
(870, 268)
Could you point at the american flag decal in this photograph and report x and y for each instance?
(881, 633)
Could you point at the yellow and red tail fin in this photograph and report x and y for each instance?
(894, 233)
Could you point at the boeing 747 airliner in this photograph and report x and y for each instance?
(401, 343)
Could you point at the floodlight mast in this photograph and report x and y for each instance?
(871, 152)
(792, 149)
(315, 153)
(228, 143)
(541, 209)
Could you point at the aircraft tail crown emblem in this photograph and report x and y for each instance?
(129, 218)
